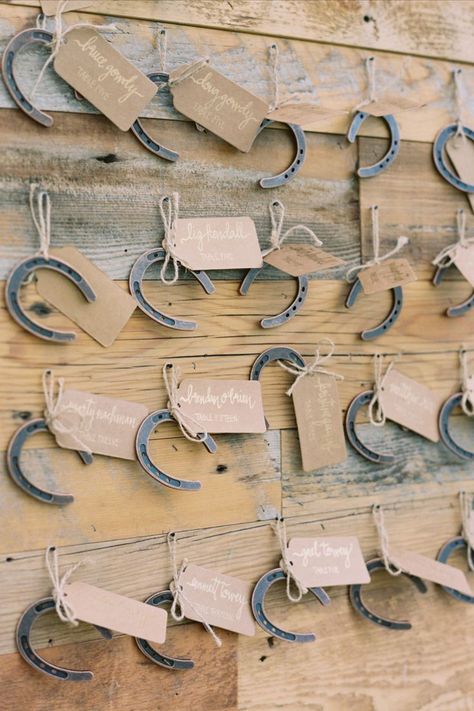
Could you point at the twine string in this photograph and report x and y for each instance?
(315, 366)
(189, 71)
(467, 401)
(162, 47)
(274, 61)
(459, 103)
(372, 89)
(40, 206)
(277, 215)
(466, 501)
(169, 211)
(64, 609)
(376, 413)
(379, 520)
(285, 563)
(190, 427)
(54, 409)
(448, 254)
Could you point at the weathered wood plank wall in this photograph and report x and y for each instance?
(104, 189)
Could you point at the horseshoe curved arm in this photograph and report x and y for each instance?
(458, 309)
(393, 150)
(362, 609)
(286, 175)
(293, 308)
(14, 451)
(270, 356)
(135, 282)
(161, 598)
(443, 421)
(258, 607)
(20, 273)
(443, 556)
(438, 156)
(22, 39)
(149, 425)
(360, 401)
(144, 137)
(370, 333)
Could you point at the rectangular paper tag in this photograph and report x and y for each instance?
(327, 561)
(217, 243)
(319, 421)
(411, 404)
(104, 318)
(218, 104)
(386, 275)
(117, 612)
(50, 7)
(299, 259)
(104, 424)
(223, 406)
(221, 600)
(461, 155)
(430, 569)
(103, 76)
(400, 103)
(464, 260)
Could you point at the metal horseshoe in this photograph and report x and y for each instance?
(439, 160)
(443, 420)
(293, 308)
(371, 170)
(459, 309)
(286, 175)
(362, 609)
(135, 283)
(25, 623)
(445, 553)
(258, 607)
(147, 427)
(357, 404)
(21, 272)
(142, 135)
(145, 647)
(14, 451)
(271, 355)
(370, 333)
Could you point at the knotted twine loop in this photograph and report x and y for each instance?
(459, 103)
(466, 501)
(59, 33)
(189, 71)
(372, 90)
(377, 258)
(447, 255)
(379, 520)
(277, 215)
(378, 418)
(279, 528)
(40, 206)
(467, 402)
(177, 591)
(300, 371)
(190, 427)
(162, 47)
(54, 408)
(64, 609)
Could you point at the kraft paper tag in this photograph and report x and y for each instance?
(429, 569)
(103, 76)
(464, 261)
(104, 318)
(411, 404)
(117, 612)
(220, 600)
(302, 114)
(386, 275)
(50, 7)
(218, 104)
(299, 259)
(319, 421)
(327, 561)
(223, 406)
(217, 243)
(382, 108)
(104, 424)
(461, 154)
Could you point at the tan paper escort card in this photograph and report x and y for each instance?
(217, 243)
(221, 600)
(104, 424)
(117, 612)
(464, 261)
(50, 7)
(104, 318)
(430, 569)
(411, 404)
(103, 76)
(386, 275)
(327, 561)
(319, 421)
(461, 155)
(218, 104)
(382, 108)
(299, 259)
(223, 406)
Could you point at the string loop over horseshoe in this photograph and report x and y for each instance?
(176, 663)
(393, 150)
(458, 309)
(397, 302)
(362, 400)
(159, 78)
(445, 553)
(443, 420)
(439, 148)
(295, 166)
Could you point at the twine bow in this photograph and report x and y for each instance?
(277, 215)
(378, 418)
(448, 254)
(190, 427)
(169, 210)
(379, 520)
(279, 528)
(467, 402)
(316, 366)
(64, 609)
(466, 501)
(54, 409)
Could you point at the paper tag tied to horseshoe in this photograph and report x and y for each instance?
(220, 600)
(386, 275)
(321, 562)
(429, 569)
(464, 261)
(461, 154)
(218, 104)
(299, 259)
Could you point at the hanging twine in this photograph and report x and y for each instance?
(190, 427)
(377, 418)
(169, 210)
(277, 215)
(377, 258)
(467, 402)
(189, 71)
(274, 58)
(279, 528)
(64, 608)
(162, 47)
(54, 409)
(40, 206)
(316, 366)
(466, 501)
(372, 97)
(459, 103)
(447, 255)
(379, 520)
(59, 33)
(177, 591)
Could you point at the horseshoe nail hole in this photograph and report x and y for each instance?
(270, 641)
(221, 468)
(301, 151)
